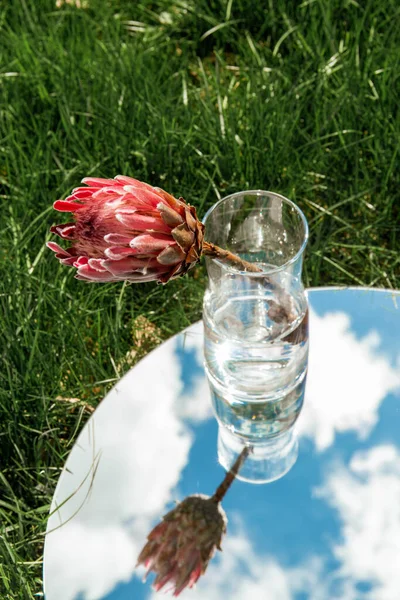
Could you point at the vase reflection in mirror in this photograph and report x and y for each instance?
(256, 331)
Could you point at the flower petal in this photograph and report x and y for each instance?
(162, 580)
(97, 264)
(130, 265)
(86, 272)
(98, 182)
(82, 193)
(134, 182)
(130, 204)
(117, 238)
(149, 197)
(57, 248)
(118, 252)
(151, 244)
(108, 192)
(67, 261)
(138, 222)
(195, 574)
(67, 206)
(82, 260)
(66, 231)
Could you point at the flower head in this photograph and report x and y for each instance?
(127, 230)
(179, 548)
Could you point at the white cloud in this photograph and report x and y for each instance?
(144, 447)
(367, 498)
(195, 404)
(347, 381)
(89, 560)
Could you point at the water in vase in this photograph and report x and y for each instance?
(256, 347)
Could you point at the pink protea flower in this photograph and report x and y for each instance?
(179, 548)
(125, 229)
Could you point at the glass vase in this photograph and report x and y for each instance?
(256, 330)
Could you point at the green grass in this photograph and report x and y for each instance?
(203, 98)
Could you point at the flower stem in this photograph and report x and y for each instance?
(214, 251)
(280, 311)
(230, 476)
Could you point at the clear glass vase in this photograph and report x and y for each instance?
(256, 330)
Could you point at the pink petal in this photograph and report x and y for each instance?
(195, 575)
(86, 272)
(82, 193)
(134, 182)
(67, 261)
(76, 201)
(106, 193)
(56, 248)
(149, 197)
(130, 265)
(117, 238)
(89, 191)
(97, 264)
(189, 567)
(82, 260)
(118, 252)
(179, 590)
(66, 231)
(129, 210)
(138, 222)
(132, 203)
(151, 244)
(158, 585)
(114, 203)
(67, 206)
(98, 182)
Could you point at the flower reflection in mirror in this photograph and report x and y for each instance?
(179, 548)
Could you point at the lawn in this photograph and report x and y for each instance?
(202, 98)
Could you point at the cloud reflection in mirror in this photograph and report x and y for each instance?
(347, 380)
(366, 496)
